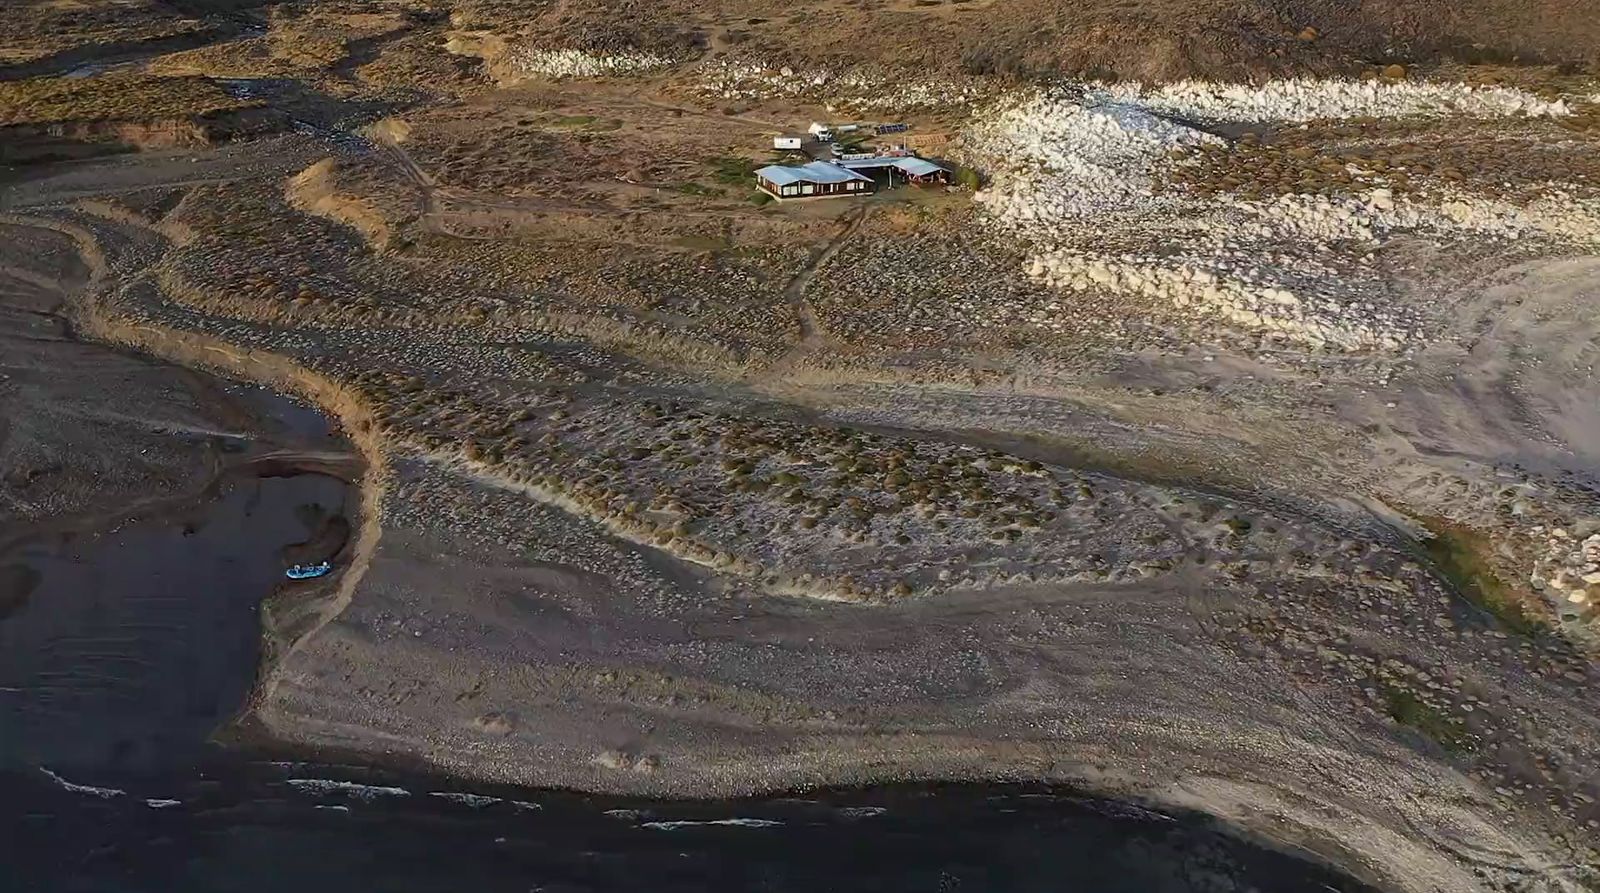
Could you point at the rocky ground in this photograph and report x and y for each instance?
(1230, 447)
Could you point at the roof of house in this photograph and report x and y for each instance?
(919, 167)
(815, 172)
(911, 165)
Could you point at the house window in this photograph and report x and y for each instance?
(806, 189)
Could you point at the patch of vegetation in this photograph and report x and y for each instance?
(733, 170)
(759, 198)
(1404, 707)
(968, 178)
(1459, 553)
(306, 49)
(114, 97)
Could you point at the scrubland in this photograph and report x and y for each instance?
(1231, 445)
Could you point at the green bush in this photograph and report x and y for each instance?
(732, 169)
(1460, 556)
(1404, 707)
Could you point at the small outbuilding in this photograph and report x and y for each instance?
(914, 170)
(788, 142)
(819, 179)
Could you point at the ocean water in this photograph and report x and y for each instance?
(257, 826)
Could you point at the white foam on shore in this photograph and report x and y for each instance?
(1118, 810)
(476, 801)
(736, 823)
(861, 812)
(346, 788)
(162, 803)
(89, 789)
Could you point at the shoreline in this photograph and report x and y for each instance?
(251, 739)
(850, 839)
(396, 772)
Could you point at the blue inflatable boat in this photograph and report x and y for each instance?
(308, 571)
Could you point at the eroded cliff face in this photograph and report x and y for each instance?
(28, 144)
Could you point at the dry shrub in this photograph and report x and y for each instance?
(114, 96)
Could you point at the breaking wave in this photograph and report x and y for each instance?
(102, 793)
(347, 788)
(861, 812)
(737, 823)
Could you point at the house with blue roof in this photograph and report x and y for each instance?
(818, 179)
(845, 177)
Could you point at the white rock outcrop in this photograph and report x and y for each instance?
(570, 63)
(1074, 171)
(1312, 99)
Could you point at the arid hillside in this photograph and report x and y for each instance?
(1145, 39)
